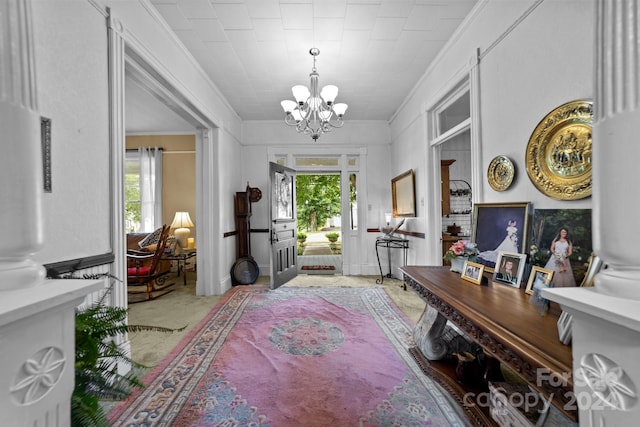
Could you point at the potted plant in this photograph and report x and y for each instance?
(97, 356)
(333, 237)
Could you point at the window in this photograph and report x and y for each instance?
(455, 113)
(132, 192)
(143, 189)
(353, 201)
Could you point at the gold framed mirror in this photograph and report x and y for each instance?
(403, 195)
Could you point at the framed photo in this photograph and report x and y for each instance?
(403, 195)
(569, 259)
(539, 276)
(509, 268)
(472, 272)
(500, 227)
(595, 263)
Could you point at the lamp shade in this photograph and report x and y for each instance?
(329, 93)
(300, 93)
(340, 109)
(181, 220)
(288, 106)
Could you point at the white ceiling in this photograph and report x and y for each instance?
(255, 50)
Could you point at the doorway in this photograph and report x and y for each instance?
(318, 209)
(452, 152)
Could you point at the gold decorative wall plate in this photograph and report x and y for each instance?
(501, 172)
(558, 155)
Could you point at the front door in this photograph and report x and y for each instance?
(284, 231)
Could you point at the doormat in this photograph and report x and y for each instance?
(318, 267)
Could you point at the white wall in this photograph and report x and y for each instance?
(525, 71)
(71, 72)
(71, 59)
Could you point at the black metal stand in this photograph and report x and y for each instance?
(390, 243)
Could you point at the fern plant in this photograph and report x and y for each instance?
(98, 356)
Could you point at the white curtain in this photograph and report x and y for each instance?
(150, 188)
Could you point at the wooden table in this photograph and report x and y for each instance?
(501, 320)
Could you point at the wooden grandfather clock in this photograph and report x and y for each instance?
(245, 270)
(243, 224)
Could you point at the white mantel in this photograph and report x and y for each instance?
(37, 351)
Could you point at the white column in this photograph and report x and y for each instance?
(606, 318)
(21, 167)
(615, 146)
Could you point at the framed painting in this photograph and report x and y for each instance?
(509, 268)
(500, 227)
(403, 195)
(472, 272)
(539, 276)
(569, 258)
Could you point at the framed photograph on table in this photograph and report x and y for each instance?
(472, 272)
(538, 278)
(500, 227)
(509, 268)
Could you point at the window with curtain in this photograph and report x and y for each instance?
(143, 189)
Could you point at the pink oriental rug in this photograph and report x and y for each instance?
(292, 357)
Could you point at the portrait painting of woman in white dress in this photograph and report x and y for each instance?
(500, 227)
(508, 244)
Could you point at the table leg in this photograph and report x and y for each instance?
(381, 279)
(428, 334)
(389, 259)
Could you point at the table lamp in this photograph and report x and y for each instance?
(180, 223)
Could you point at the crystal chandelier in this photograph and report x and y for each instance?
(314, 113)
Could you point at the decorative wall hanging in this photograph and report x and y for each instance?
(558, 155)
(45, 133)
(501, 173)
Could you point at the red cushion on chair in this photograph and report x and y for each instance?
(139, 271)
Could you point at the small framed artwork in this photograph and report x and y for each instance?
(472, 272)
(509, 268)
(539, 276)
(594, 265)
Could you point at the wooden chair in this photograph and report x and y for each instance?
(145, 269)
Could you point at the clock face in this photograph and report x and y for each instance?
(255, 195)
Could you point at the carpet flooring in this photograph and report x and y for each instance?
(297, 356)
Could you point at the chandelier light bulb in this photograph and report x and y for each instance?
(288, 106)
(300, 93)
(340, 109)
(314, 111)
(329, 93)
